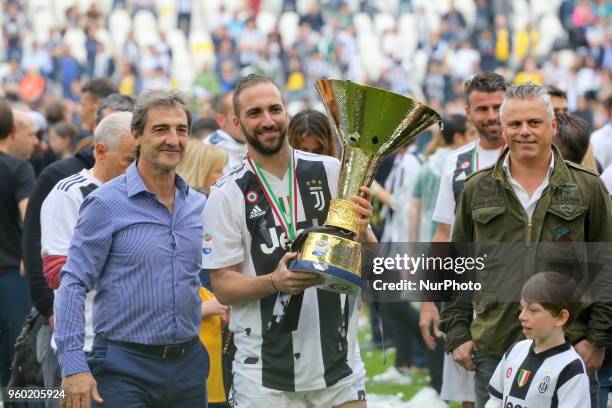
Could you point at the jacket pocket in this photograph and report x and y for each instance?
(484, 215)
(568, 212)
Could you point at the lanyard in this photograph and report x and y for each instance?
(288, 224)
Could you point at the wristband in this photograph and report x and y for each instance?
(272, 282)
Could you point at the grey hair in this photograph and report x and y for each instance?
(116, 102)
(158, 97)
(112, 128)
(528, 90)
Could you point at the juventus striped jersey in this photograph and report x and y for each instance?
(241, 229)
(58, 217)
(552, 378)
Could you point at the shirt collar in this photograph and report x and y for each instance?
(506, 165)
(135, 184)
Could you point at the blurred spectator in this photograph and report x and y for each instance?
(313, 17)
(202, 128)
(22, 140)
(310, 131)
(10, 82)
(456, 22)
(92, 94)
(572, 137)
(527, 39)
(602, 138)
(502, 39)
(184, 9)
(17, 180)
(69, 72)
(228, 136)
(14, 25)
(62, 138)
(558, 99)
(529, 73)
(250, 43)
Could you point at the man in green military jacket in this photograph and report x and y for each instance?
(529, 196)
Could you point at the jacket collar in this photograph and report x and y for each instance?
(560, 173)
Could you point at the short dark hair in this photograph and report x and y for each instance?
(65, 130)
(452, 124)
(310, 122)
(6, 119)
(554, 291)
(572, 138)
(554, 91)
(485, 82)
(247, 82)
(99, 88)
(203, 125)
(221, 103)
(116, 102)
(158, 97)
(55, 111)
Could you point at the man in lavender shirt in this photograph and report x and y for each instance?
(138, 242)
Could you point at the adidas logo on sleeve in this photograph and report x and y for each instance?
(256, 212)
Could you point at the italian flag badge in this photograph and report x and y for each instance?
(523, 377)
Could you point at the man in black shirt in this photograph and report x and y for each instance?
(16, 182)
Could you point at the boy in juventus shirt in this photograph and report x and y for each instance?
(249, 220)
(545, 370)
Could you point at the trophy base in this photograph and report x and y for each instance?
(336, 279)
(329, 254)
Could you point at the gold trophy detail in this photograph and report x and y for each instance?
(371, 123)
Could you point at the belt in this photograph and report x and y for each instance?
(160, 351)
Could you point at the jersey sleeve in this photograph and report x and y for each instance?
(496, 384)
(222, 238)
(58, 216)
(573, 388)
(444, 211)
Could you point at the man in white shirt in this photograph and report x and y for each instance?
(484, 96)
(229, 136)
(601, 139)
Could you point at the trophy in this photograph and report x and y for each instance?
(371, 123)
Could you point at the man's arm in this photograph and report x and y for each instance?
(23, 205)
(599, 236)
(456, 315)
(230, 286)
(87, 256)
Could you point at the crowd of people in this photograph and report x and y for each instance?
(117, 245)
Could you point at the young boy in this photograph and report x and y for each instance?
(545, 370)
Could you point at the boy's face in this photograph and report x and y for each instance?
(537, 322)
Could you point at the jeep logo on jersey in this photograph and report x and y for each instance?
(509, 404)
(315, 188)
(280, 241)
(544, 385)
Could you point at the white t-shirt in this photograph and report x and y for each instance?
(528, 203)
(444, 212)
(601, 140)
(236, 150)
(552, 378)
(241, 229)
(606, 176)
(58, 217)
(399, 184)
